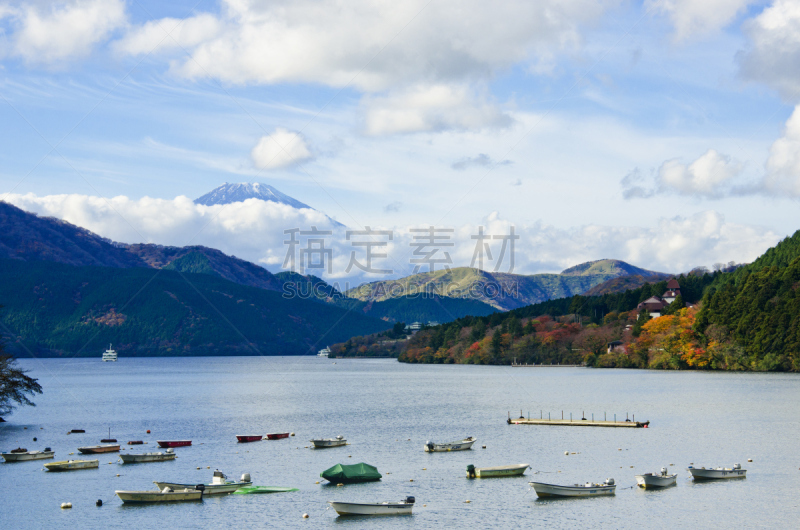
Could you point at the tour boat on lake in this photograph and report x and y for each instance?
(577, 490)
(245, 438)
(109, 355)
(657, 480)
(277, 435)
(374, 508)
(324, 352)
(459, 445)
(174, 443)
(219, 485)
(24, 455)
(512, 470)
(718, 473)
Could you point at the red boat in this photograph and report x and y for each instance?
(278, 435)
(243, 438)
(174, 443)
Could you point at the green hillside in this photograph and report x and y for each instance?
(52, 309)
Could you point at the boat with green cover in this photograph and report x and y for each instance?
(344, 474)
(263, 489)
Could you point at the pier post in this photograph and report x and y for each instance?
(615, 418)
(570, 417)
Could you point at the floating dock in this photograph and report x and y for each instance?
(580, 423)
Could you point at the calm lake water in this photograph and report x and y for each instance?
(387, 411)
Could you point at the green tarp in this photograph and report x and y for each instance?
(356, 473)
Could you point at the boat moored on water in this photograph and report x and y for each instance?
(374, 508)
(219, 484)
(459, 445)
(718, 473)
(657, 480)
(109, 355)
(322, 443)
(24, 455)
(174, 443)
(140, 458)
(324, 352)
(577, 490)
(277, 435)
(165, 495)
(512, 470)
(351, 474)
(96, 449)
(246, 438)
(72, 465)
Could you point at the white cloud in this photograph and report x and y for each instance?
(375, 44)
(280, 149)
(169, 33)
(783, 165)
(774, 53)
(694, 19)
(430, 108)
(253, 230)
(62, 30)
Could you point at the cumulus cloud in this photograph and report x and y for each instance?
(773, 56)
(253, 230)
(783, 165)
(61, 30)
(430, 108)
(482, 160)
(280, 149)
(693, 19)
(169, 34)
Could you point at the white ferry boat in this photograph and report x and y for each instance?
(324, 352)
(109, 355)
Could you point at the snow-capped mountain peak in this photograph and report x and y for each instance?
(229, 193)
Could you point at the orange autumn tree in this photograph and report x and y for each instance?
(670, 342)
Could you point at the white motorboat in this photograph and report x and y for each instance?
(321, 443)
(165, 495)
(23, 456)
(133, 458)
(717, 473)
(660, 480)
(219, 485)
(374, 508)
(71, 465)
(512, 470)
(324, 352)
(577, 490)
(460, 445)
(109, 355)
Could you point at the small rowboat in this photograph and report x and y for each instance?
(657, 480)
(72, 465)
(218, 486)
(95, 449)
(277, 435)
(322, 443)
(460, 445)
(497, 471)
(719, 473)
(15, 456)
(166, 495)
(246, 490)
(136, 442)
(133, 458)
(374, 508)
(245, 438)
(174, 443)
(577, 490)
(77, 431)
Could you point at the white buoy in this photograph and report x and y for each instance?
(749, 459)
(411, 480)
(305, 516)
(317, 482)
(198, 468)
(292, 434)
(566, 453)
(484, 447)
(66, 505)
(467, 501)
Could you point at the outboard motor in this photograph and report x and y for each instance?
(410, 500)
(339, 437)
(609, 482)
(471, 471)
(200, 487)
(663, 471)
(430, 446)
(170, 450)
(246, 477)
(47, 449)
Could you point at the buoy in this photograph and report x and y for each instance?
(620, 449)
(66, 505)
(484, 447)
(424, 468)
(317, 482)
(148, 431)
(467, 501)
(631, 467)
(339, 485)
(749, 459)
(111, 462)
(198, 468)
(411, 480)
(566, 452)
(99, 502)
(291, 434)
(34, 438)
(117, 474)
(72, 453)
(424, 505)
(305, 516)
(349, 456)
(41, 428)
(25, 428)
(208, 467)
(672, 464)
(573, 453)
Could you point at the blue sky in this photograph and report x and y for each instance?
(659, 132)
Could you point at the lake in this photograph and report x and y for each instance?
(387, 411)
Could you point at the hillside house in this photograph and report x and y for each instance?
(655, 304)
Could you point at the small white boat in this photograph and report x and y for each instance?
(718, 473)
(165, 495)
(660, 480)
(374, 508)
(577, 490)
(219, 485)
(23, 456)
(460, 445)
(71, 465)
(109, 355)
(324, 352)
(321, 443)
(133, 458)
(512, 470)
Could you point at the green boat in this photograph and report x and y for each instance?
(342, 474)
(263, 489)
